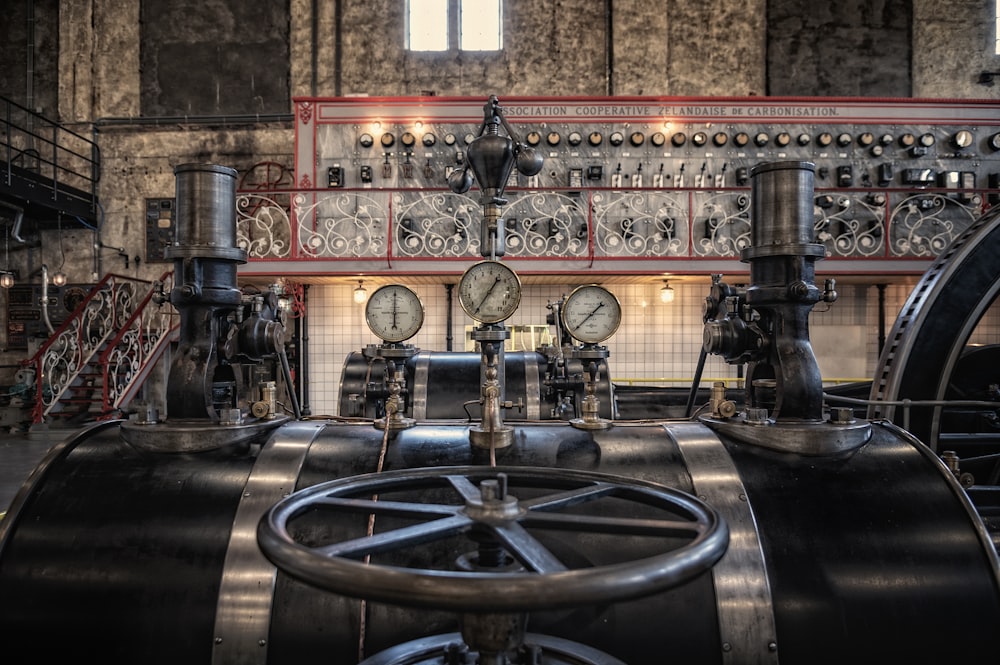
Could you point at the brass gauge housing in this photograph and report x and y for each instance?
(489, 291)
(394, 313)
(591, 314)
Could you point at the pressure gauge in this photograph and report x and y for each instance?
(394, 313)
(489, 291)
(591, 314)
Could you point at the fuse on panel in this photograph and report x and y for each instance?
(576, 177)
(993, 180)
(958, 180)
(679, 178)
(637, 178)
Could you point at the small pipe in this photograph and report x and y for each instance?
(881, 317)
(304, 351)
(45, 299)
(448, 288)
(696, 382)
(287, 374)
(15, 231)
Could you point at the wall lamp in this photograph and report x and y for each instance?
(986, 78)
(360, 295)
(667, 292)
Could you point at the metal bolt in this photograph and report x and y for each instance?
(841, 415)
(262, 643)
(756, 416)
(727, 647)
(218, 640)
(772, 646)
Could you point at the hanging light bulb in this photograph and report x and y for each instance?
(6, 277)
(360, 295)
(667, 292)
(59, 279)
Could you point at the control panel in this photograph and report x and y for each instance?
(25, 319)
(160, 229)
(630, 181)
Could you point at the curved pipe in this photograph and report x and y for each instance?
(45, 300)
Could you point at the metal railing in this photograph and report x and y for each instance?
(43, 159)
(102, 316)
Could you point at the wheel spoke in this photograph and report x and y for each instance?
(388, 541)
(614, 525)
(380, 507)
(465, 487)
(525, 548)
(569, 497)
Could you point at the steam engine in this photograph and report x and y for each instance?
(770, 528)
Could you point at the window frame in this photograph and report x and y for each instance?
(453, 30)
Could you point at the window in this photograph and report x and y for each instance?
(427, 25)
(996, 27)
(465, 25)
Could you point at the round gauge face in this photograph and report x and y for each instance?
(489, 291)
(591, 313)
(394, 313)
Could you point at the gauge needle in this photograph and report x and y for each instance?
(394, 326)
(591, 314)
(487, 294)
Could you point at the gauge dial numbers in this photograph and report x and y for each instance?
(394, 313)
(591, 313)
(489, 291)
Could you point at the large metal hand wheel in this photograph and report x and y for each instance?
(688, 537)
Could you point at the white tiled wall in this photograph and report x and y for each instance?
(657, 343)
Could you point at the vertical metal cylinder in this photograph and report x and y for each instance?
(782, 194)
(206, 207)
(205, 250)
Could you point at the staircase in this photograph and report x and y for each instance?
(97, 360)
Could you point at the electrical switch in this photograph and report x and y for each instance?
(919, 177)
(616, 177)
(845, 175)
(335, 176)
(885, 175)
(742, 176)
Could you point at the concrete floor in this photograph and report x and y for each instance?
(21, 453)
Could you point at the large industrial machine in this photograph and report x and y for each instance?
(773, 527)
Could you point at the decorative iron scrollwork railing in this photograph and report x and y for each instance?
(141, 339)
(605, 223)
(70, 350)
